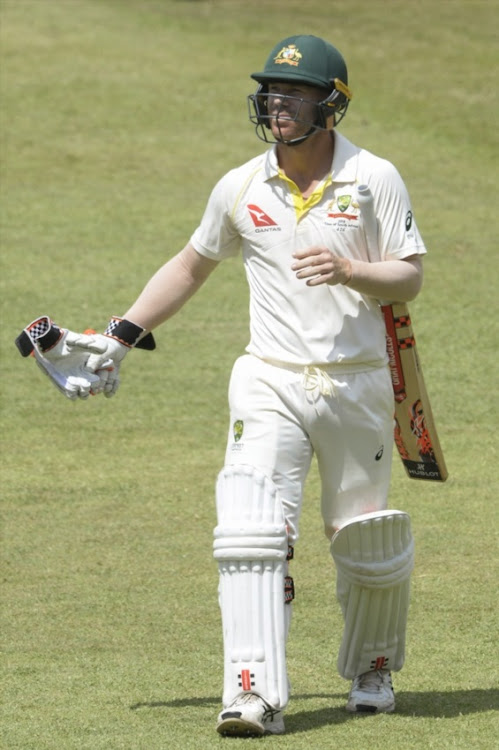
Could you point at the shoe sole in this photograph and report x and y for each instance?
(364, 708)
(233, 727)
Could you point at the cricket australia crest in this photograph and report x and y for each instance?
(343, 212)
(238, 428)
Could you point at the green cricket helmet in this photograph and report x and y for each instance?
(308, 60)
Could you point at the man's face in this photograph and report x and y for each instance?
(292, 109)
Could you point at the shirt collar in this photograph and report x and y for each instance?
(345, 160)
(271, 167)
(343, 167)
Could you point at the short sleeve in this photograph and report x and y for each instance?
(399, 236)
(216, 236)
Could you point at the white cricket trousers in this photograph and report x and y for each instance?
(280, 416)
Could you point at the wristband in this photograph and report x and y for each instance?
(128, 334)
(43, 332)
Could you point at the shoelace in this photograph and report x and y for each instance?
(249, 698)
(314, 377)
(370, 681)
(269, 712)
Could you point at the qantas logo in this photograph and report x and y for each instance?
(261, 220)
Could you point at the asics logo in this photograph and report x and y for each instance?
(259, 217)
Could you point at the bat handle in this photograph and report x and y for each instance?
(366, 205)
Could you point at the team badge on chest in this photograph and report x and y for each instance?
(343, 213)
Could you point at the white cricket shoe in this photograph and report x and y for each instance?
(250, 716)
(372, 693)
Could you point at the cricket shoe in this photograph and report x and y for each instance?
(372, 693)
(250, 716)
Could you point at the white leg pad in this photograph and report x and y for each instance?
(251, 548)
(374, 556)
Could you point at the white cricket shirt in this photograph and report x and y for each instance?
(256, 211)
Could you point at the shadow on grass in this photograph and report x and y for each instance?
(437, 704)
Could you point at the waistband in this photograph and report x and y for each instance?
(331, 368)
(321, 376)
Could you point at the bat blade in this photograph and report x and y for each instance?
(416, 437)
(415, 433)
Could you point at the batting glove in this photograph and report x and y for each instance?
(119, 337)
(61, 354)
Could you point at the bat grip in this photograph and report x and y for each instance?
(366, 205)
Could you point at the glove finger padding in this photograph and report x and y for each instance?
(107, 379)
(112, 384)
(108, 360)
(66, 371)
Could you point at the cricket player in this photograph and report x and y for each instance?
(313, 381)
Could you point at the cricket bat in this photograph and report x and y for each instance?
(415, 433)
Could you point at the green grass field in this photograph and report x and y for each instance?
(117, 117)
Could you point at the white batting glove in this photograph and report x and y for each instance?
(105, 366)
(119, 337)
(61, 354)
